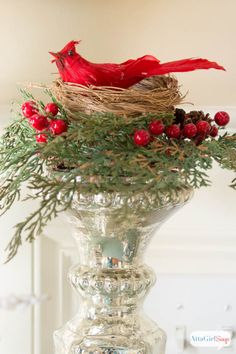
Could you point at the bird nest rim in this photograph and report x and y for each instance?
(158, 94)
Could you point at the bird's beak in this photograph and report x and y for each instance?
(55, 55)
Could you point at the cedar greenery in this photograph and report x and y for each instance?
(97, 154)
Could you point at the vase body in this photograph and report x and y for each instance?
(112, 231)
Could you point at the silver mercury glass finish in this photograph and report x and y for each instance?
(112, 231)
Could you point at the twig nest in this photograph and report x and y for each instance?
(153, 95)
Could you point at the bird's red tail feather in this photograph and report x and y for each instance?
(185, 65)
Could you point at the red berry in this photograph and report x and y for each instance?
(141, 137)
(189, 130)
(156, 127)
(222, 118)
(203, 127)
(173, 131)
(214, 131)
(28, 109)
(58, 126)
(41, 138)
(51, 108)
(39, 122)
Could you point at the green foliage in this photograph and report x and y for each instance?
(97, 154)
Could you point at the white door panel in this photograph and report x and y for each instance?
(15, 280)
(52, 260)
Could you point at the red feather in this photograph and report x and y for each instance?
(74, 68)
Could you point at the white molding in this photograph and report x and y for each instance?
(46, 280)
(36, 336)
(192, 258)
(67, 257)
(53, 257)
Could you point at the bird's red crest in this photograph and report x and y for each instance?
(69, 46)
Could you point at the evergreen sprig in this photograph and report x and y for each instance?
(98, 149)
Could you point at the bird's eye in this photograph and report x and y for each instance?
(70, 53)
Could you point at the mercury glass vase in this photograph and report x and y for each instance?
(112, 231)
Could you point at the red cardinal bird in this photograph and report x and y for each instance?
(74, 68)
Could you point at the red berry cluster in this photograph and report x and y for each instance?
(47, 122)
(195, 126)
